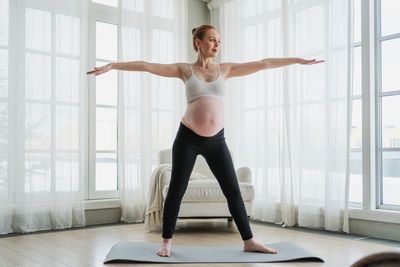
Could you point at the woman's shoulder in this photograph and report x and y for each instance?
(184, 69)
(226, 66)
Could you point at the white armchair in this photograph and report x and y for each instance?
(203, 197)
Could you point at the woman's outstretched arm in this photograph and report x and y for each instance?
(165, 70)
(241, 69)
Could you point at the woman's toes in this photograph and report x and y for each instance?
(163, 252)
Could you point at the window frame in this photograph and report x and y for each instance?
(379, 147)
(372, 108)
(105, 14)
(17, 57)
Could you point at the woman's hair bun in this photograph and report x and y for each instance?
(194, 30)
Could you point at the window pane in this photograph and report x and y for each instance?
(391, 65)
(357, 71)
(106, 129)
(163, 8)
(356, 127)
(391, 177)
(390, 121)
(38, 29)
(3, 72)
(132, 45)
(37, 172)
(309, 28)
(67, 127)
(253, 8)
(113, 3)
(37, 126)
(390, 10)
(4, 22)
(67, 172)
(273, 42)
(67, 80)
(106, 87)
(355, 177)
(106, 41)
(37, 76)
(133, 5)
(106, 171)
(255, 48)
(338, 81)
(162, 46)
(67, 34)
(357, 21)
(311, 82)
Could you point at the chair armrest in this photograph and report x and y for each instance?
(165, 179)
(244, 174)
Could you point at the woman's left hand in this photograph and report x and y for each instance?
(309, 62)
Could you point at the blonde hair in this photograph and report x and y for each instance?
(199, 32)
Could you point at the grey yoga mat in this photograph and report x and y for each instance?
(147, 252)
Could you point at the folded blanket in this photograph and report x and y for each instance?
(154, 207)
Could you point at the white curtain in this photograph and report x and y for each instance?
(292, 124)
(151, 106)
(43, 97)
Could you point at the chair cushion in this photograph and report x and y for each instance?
(209, 191)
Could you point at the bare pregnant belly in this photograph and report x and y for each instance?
(204, 116)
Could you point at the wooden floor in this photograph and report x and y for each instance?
(89, 246)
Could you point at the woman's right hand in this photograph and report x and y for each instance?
(100, 70)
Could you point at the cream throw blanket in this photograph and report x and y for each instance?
(154, 207)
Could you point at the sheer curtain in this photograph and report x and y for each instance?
(292, 124)
(42, 114)
(151, 106)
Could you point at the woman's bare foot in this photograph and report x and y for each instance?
(165, 249)
(252, 245)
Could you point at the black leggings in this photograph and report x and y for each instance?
(186, 147)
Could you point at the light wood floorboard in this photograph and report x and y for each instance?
(88, 247)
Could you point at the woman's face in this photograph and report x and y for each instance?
(210, 44)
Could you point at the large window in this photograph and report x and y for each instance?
(52, 100)
(40, 100)
(152, 110)
(375, 129)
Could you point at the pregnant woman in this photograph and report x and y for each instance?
(201, 130)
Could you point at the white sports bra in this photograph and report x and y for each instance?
(196, 87)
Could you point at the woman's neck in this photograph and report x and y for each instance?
(204, 62)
